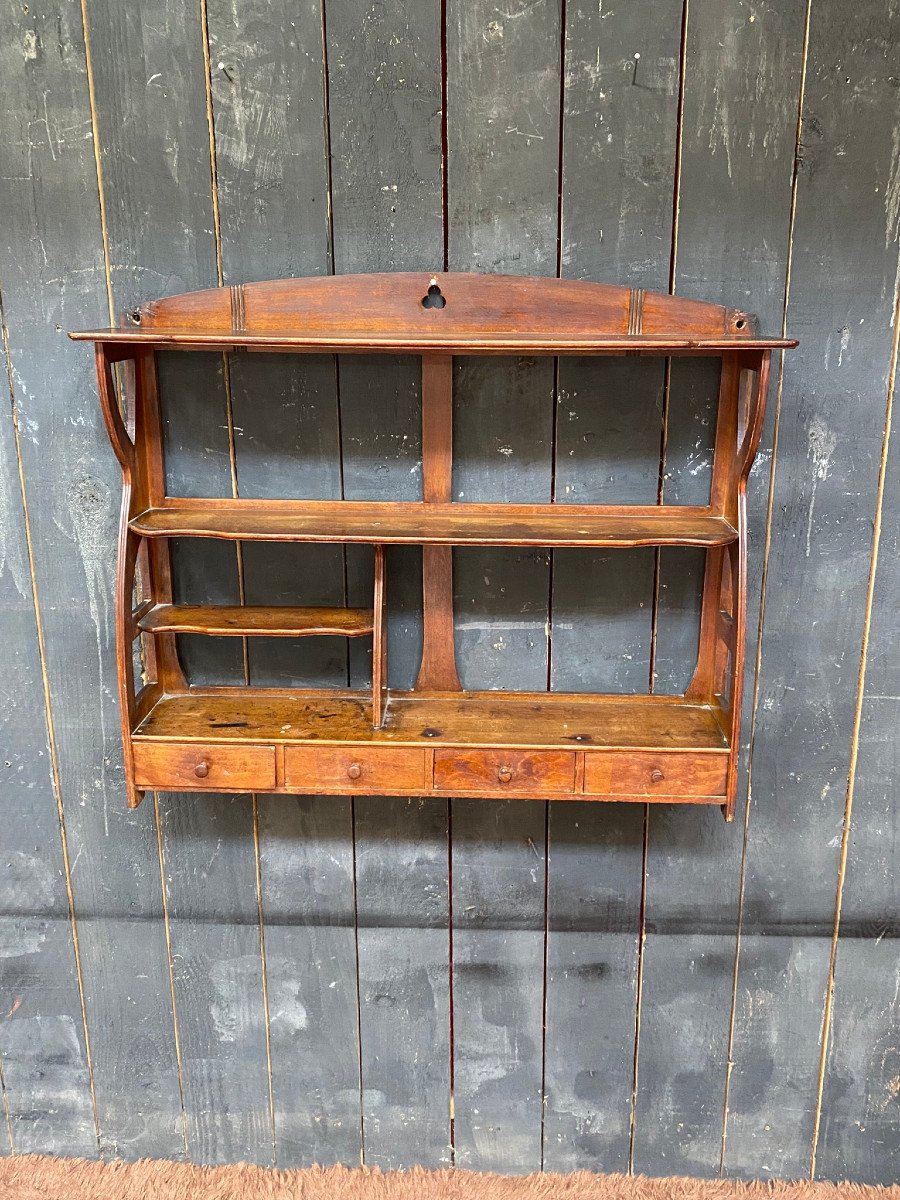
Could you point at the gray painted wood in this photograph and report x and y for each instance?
(157, 178)
(861, 1103)
(268, 94)
(267, 87)
(744, 159)
(619, 127)
(158, 181)
(210, 879)
(387, 215)
(503, 140)
(306, 850)
(594, 891)
(198, 463)
(45, 1076)
(272, 185)
(402, 930)
(499, 865)
(52, 268)
(832, 425)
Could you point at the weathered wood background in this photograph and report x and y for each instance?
(392, 981)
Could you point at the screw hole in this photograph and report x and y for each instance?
(435, 298)
(740, 323)
(135, 316)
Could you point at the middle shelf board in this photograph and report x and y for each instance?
(553, 720)
(436, 524)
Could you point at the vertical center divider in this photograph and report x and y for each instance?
(437, 672)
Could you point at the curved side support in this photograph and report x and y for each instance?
(123, 446)
(737, 553)
(750, 442)
(125, 569)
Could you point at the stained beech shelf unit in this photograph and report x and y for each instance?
(437, 739)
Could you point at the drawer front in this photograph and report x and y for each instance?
(495, 770)
(647, 774)
(176, 767)
(353, 769)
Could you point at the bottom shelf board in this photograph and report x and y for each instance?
(485, 719)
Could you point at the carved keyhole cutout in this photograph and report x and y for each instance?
(435, 297)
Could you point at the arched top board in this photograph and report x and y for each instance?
(447, 312)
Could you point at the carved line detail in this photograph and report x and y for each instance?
(238, 316)
(636, 312)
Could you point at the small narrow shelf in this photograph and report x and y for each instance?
(435, 524)
(222, 620)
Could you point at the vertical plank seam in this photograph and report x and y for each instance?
(452, 1072)
(330, 264)
(326, 134)
(165, 907)
(98, 166)
(238, 550)
(6, 1114)
(445, 223)
(854, 744)
(551, 561)
(329, 209)
(211, 135)
(679, 138)
(546, 976)
(657, 561)
(660, 492)
(261, 918)
(355, 898)
(757, 666)
(638, 991)
(445, 140)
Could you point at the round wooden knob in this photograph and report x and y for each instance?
(504, 774)
(354, 771)
(202, 769)
(656, 776)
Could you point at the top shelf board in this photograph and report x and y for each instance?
(445, 313)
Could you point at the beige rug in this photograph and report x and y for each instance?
(32, 1177)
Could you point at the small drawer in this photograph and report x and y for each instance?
(647, 774)
(353, 769)
(504, 770)
(177, 767)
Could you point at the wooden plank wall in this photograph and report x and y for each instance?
(506, 986)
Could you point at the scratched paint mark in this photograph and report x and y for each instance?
(89, 507)
(821, 442)
(287, 1012)
(892, 205)
(234, 1007)
(12, 549)
(18, 938)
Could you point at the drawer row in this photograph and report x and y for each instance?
(357, 770)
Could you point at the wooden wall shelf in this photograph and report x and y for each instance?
(438, 739)
(435, 524)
